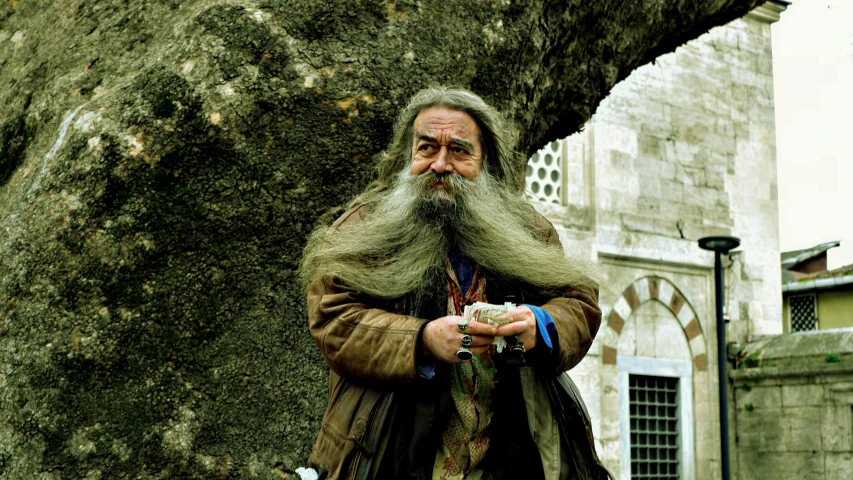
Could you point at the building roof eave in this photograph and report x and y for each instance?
(817, 284)
(793, 258)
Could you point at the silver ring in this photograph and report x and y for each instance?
(463, 324)
(464, 354)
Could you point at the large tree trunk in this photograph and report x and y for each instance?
(161, 164)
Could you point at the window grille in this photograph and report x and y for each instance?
(544, 175)
(654, 414)
(803, 313)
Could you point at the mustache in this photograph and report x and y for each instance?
(453, 183)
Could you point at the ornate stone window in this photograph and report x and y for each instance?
(560, 179)
(544, 174)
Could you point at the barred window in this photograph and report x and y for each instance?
(803, 310)
(654, 419)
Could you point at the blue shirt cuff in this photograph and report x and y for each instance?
(427, 369)
(544, 324)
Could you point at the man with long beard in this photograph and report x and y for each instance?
(415, 390)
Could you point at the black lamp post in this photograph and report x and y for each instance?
(720, 245)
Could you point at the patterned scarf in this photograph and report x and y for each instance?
(465, 440)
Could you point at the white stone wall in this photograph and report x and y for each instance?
(681, 149)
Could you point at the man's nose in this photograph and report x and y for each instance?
(441, 165)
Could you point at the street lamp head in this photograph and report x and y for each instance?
(720, 244)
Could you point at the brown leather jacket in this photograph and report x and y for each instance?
(373, 356)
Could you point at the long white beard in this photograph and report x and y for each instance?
(400, 246)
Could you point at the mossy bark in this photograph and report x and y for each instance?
(161, 164)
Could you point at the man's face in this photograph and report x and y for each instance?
(446, 141)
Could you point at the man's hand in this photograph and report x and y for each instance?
(442, 338)
(522, 322)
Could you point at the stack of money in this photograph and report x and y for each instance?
(489, 313)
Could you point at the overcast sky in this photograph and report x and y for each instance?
(813, 73)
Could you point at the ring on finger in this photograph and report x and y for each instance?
(515, 344)
(463, 324)
(464, 353)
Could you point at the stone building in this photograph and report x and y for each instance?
(681, 149)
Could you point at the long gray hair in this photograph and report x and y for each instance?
(497, 138)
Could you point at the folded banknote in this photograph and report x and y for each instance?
(488, 313)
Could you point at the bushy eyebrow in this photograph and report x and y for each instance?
(463, 143)
(458, 141)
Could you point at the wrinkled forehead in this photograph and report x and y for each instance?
(446, 121)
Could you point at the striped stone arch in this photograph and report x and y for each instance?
(662, 290)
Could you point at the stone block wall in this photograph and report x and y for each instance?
(682, 148)
(685, 148)
(793, 409)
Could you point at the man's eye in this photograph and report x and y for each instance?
(425, 148)
(459, 150)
